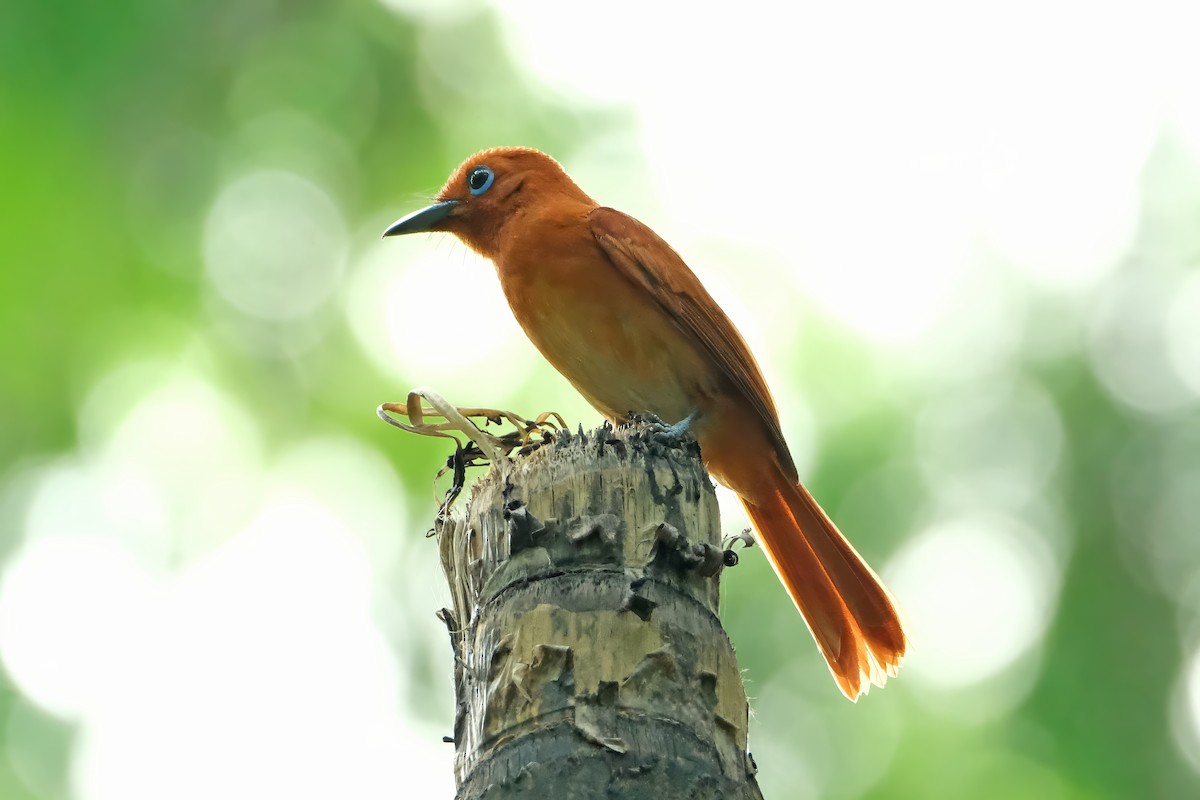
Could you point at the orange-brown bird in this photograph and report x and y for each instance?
(619, 314)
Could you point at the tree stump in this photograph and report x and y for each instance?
(589, 658)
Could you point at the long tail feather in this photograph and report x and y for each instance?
(847, 609)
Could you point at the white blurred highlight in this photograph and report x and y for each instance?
(262, 661)
(884, 161)
(173, 465)
(244, 660)
(977, 593)
(428, 311)
(1137, 342)
(274, 245)
(65, 603)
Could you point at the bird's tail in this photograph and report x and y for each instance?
(846, 607)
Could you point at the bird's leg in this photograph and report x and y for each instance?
(684, 425)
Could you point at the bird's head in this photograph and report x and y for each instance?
(487, 191)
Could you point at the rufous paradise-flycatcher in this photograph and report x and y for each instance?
(621, 316)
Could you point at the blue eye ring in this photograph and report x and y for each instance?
(480, 179)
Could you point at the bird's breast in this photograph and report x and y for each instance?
(609, 338)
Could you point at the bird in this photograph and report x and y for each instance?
(620, 315)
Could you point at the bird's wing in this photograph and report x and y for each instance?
(647, 261)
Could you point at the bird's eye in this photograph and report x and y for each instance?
(480, 180)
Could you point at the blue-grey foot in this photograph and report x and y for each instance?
(671, 435)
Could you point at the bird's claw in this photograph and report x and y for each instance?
(668, 435)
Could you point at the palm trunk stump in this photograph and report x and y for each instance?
(589, 658)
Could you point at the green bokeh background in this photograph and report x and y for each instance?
(119, 127)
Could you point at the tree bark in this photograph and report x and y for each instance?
(589, 658)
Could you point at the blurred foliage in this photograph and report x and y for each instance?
(121, 125)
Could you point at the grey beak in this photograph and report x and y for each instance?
(422, 220)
